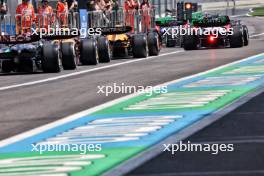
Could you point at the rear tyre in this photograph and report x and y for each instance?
(153, 44)
(50, 58)
(139, 46)
(190, 42)
(88, 52)
(68, 56)
(104, 52)
(245, 35)
(237, 39)
(7, 66)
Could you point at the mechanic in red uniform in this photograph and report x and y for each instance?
(145, 8)
(62, 12)
(25, 17)
(45, 15)
(130, 8)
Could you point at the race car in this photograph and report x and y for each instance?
(27, 51)
(166, 24)
(215, 31)
(88, 48)
(126, 39)
(170, 25)
(29, 54)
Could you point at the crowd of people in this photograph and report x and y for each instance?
(65, 7)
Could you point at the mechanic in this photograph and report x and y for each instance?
(62, 13)
(3, 8)
(26, 17)
(145, 8)
(130, 8)
(45, 14)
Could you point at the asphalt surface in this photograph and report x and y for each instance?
(27, 107)
(243, 128)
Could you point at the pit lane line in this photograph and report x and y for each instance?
(257, 35)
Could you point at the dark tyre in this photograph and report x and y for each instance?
(139, 46)
(237, 39)
(68, 56)
(245, 35)
(88, 52)
(50, 58)
(7, 66)
(104, 52)
(153, 44)
(190, 42)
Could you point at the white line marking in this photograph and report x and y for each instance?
(73, 117)
(84, 72)
(256, 35)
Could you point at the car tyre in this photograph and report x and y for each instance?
(153, 44)
(68, 56)
(88, 52)
(237, 39)
(50, 58)
(104, 51)
(245, 35)
(139, 46)
(7, 66)
(190, 42)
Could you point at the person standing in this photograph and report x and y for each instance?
(25, 18)
(62, 12)
(130, 9)
(3, 8)
(145, 8)
(45, 14)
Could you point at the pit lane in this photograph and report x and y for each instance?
(27, 107)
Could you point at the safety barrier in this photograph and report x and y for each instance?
(138, 20)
